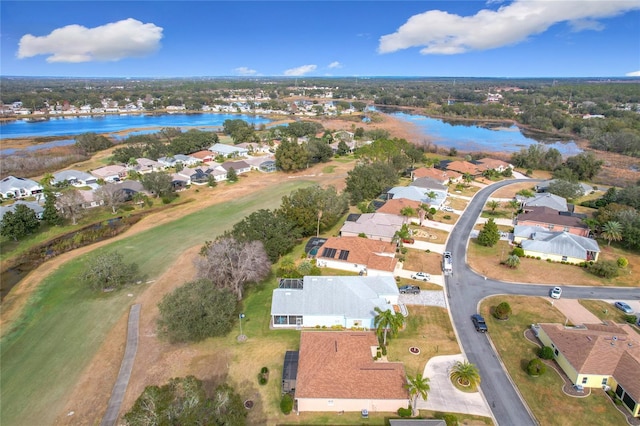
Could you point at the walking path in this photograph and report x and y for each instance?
(117, 394)
(444, 396)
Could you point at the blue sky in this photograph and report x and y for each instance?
(521, 38)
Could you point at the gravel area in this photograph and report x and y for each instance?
(425, 298)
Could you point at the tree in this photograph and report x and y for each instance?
(611, 231)
(232, 264)
(108, 271)
(195, 311)
(565, 189)
(290, 156)
(502, 311)
(18, 223)
(367, 181)
(232, 176)
(276, 232)
(417, 386)
(489, 234)
(111, 196)
(465, 373)
(408, 211)
(319, 151)
(71, 206)
(525, 193)
(158, 183)
(50, 214)
(343, 148)
(585, 165)
(183, 401)
(493, 205)
(302, 208)
(92, 142)
(387, 320)
(512, 261)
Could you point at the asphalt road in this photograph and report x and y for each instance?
(465, 290)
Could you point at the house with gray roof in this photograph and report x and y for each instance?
(556, 246)
(429, 184)
(228, 150)
(416, 193)
(544, 186)
(344, 301)
(377, 226)
(16, 187)
(545, 200)
(36, 207)
(74, 178)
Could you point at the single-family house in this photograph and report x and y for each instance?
(464, 167)
(255, 162)
(332, 301)
(113, 173)
(197, 176)
(254, 148)
(186, 160)
(74, 178)
(228, 150)
(441, 176)
(146, 165)
(179, 182)
(377, 226)
(492, 164)
(429, 184)
(36, 207)
(129, 187)
(544, 186)
(397, 205)
(17, 187)
(598, 356)
(167, 161)
(268, 166)
(357, 254)
(337, 373)
(544, 200)
(556, 246)
(90, 199)
(204, 156)
(553, 220)
(421, 195)
(351, 145)
(239, 166)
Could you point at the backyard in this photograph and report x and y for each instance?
(542, 394)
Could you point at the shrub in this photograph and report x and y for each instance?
(446, 217)
(546, 352)
(404, 412)
(518, 251)
(536, 367)
(502, 311)
(384, 350)
(286, 404)
(262, 380)
(631, 319)
(604, 269)
(622, 262)
(449, 419)
(264, 370)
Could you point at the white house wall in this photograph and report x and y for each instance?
(352, 405)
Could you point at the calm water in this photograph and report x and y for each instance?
(71, 126)
(466, 136)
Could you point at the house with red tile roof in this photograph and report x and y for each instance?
(442, 176)
(357, 254)
(395, 206)
(337, 373)
(492, 164)
(464, 167)
(598, 356)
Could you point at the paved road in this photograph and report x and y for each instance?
(117, 394)
(465, 291)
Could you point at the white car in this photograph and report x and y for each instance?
(421, 276)
(447, 209)
(555, 293)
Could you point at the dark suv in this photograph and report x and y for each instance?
(479, 323)
(412, 289)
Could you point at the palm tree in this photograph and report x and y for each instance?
(417, 385)
(387, 320)
(465, 373)
(612, 231)
(493, 205)
(513, 261)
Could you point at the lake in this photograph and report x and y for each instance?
(473, 137)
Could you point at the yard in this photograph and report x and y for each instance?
(419, 260)
(543, 394)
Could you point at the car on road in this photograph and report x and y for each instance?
(479, 323)
(409, 289)
(421, 276)
(623, 307)
(555, 293)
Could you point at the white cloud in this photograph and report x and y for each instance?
(633, 74)
(304, 69)
(440, 32)
(245, 71)
(128, 38)
(335, 64)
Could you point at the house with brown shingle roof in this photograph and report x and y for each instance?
(357, 254)
(598, 356)
(396, 205)
(377, 226)
(464, 167)
(552, 220)
(492, 164)
(337, 372)
(442, 176)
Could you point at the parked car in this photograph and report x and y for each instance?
(410, 289)
(447, 209)
(555, 293)
(421, 276)
(623, 307)
(479, 324)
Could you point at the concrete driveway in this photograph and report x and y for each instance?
(443, 396)
(574, 311)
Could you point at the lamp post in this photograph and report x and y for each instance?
(241, 337)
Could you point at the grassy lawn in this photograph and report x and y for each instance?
(497, 214)
(328, 169)
(457, 203)
(418, 260)
(543, 394)
(603, 310)
(465, 191)
(64, 323)
(431, 235)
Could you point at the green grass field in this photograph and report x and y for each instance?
(64, 323)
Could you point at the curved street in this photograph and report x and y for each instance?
(465, 289)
